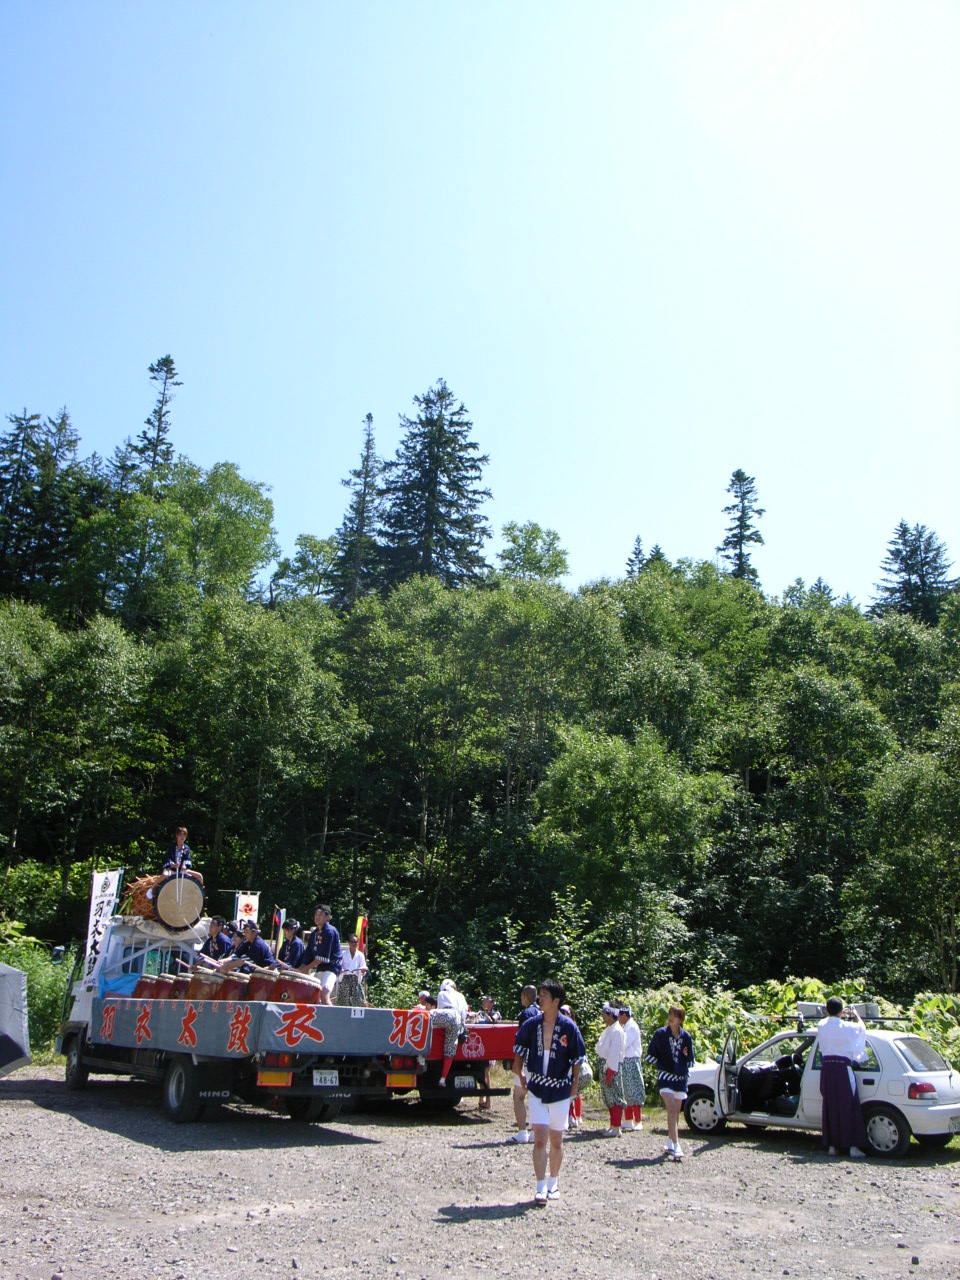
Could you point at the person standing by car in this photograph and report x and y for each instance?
(671, 1051)
(610, 1048)
(843, 1041)
(634, 1090)
(548, 1051)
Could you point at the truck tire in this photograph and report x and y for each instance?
(181, 1090)
(76, 1073)
(312, 1110)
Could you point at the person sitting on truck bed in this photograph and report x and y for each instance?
(176, 861)
(323, 955)
(219, 944)
(252, 951)
(291, 949)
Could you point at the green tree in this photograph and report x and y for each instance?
(531, 553)
(742, 533)
(916, 575)
(635, 561)
(311, 572)
(357, 566)
(432, 523)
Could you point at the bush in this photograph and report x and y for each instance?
(46, 986)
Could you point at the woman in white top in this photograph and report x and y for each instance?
(634, 1090)
(610, 1048)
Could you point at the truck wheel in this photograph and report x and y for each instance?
(888, 1133)
(181, 1090)
(76, 1073)
(700, 1113)
(311, 1110)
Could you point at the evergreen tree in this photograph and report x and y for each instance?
(432, 524)
(357, 565)
(916, 572)
(656, 557)
(635, 561)
(742, 533)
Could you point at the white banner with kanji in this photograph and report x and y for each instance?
(103, 897)
(248, 906)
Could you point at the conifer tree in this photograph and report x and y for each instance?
(742, 533)
(635, 560)
(916, 573)
(357, 565)
(432, 524)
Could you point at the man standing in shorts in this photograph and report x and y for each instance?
(549, 1050)
(323, 955)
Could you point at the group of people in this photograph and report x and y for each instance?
(340, 973)
(549, 1070)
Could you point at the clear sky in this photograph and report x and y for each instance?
(645, 243)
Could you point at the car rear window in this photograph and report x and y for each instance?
(920, 1056)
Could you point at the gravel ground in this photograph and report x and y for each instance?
(100, 1184)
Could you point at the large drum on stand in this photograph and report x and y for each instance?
(178, 902)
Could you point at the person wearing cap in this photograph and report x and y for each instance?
(671, 1050)
(323, 955)
(252, 952)
(549, 1050)
(291, 949)
(634, 1091)
(218, 943)
(610, 1048)
(488, 1013)
(842, 1041)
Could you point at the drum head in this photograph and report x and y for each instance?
(178, 902)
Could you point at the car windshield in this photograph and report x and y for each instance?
(920, 1056)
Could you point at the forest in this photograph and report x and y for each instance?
(669, 776)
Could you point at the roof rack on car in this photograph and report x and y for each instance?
(869, 1011)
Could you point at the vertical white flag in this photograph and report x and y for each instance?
(103, 897)
(248, 907)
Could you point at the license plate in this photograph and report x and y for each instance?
(955, 1124)
(326, 1079)
(464, 1082)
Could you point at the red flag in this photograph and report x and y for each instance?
(361, 932)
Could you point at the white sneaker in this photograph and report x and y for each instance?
(553, 1193)
(610, 1133)
(628, 1126)
(857, 1154)
(522, 1135)
(677, 1153)
(669, 1148)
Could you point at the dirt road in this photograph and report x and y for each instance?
(100, 1184)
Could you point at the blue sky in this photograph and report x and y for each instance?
(646, 244)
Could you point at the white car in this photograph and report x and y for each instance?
(905, 1088)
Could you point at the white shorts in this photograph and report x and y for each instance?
(555, 1115)
(328, 979)
(673, 1093)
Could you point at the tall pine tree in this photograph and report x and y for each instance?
(357, 565)
(916, 574)
(742, 533)
(432, 524)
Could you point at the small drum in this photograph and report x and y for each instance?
(178, 902)
(296, 988)
(235, 986)
(205, 985)
(262, 985)
(146, 986)
(181, 985)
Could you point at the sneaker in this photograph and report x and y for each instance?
(857, 1154)
(553, 1193)
(610, 1133)
(629, 1126)
(677, 1153)
(669, 1149)
(522, 1135)
(540, 1199)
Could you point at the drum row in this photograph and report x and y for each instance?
(282, 988)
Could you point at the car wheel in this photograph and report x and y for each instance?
(888, 1133)
(700, 1113)
(935, 1140)
(181, 1090)
(76, 1073)
(311, 1110)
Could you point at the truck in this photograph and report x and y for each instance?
(140, 1008)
